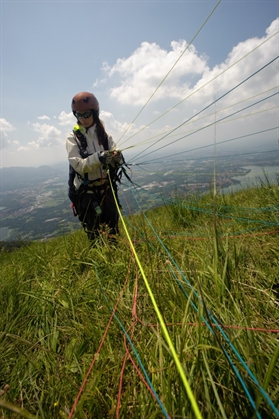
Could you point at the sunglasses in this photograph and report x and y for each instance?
(84, 115)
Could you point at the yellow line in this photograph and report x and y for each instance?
(160, 317)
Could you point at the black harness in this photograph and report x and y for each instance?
(87, 185)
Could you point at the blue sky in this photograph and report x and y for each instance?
(133, 56)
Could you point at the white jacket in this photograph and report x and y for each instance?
(90, 164)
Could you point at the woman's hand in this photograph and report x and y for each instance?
(117, 157)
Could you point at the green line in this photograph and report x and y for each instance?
(160, 317)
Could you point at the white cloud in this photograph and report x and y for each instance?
(145, 69)
(192, 85)
(137, 77)
(274, 27)
(5, 128)
(66, 119)
(101, 82)
(243, 61)
(44, 117)
(49, 136)
(112, 126)
(22, 148)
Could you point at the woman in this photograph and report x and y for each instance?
(93, 159)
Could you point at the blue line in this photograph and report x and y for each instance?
(265, 395)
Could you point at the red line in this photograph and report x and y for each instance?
(128, 354)
(98, 351)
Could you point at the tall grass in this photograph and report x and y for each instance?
(57, 298)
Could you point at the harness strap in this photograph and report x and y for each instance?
(88, 186)
(82, 145)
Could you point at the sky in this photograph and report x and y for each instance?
(170, 76)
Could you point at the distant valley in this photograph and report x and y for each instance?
(34, 204)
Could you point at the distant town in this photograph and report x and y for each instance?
(34, 204)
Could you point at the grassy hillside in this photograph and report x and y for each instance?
(208, 268)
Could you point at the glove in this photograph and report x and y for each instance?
(117, 158)
(105, 157)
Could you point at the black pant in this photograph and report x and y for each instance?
(97, 208)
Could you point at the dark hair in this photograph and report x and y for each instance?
(100, 129)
